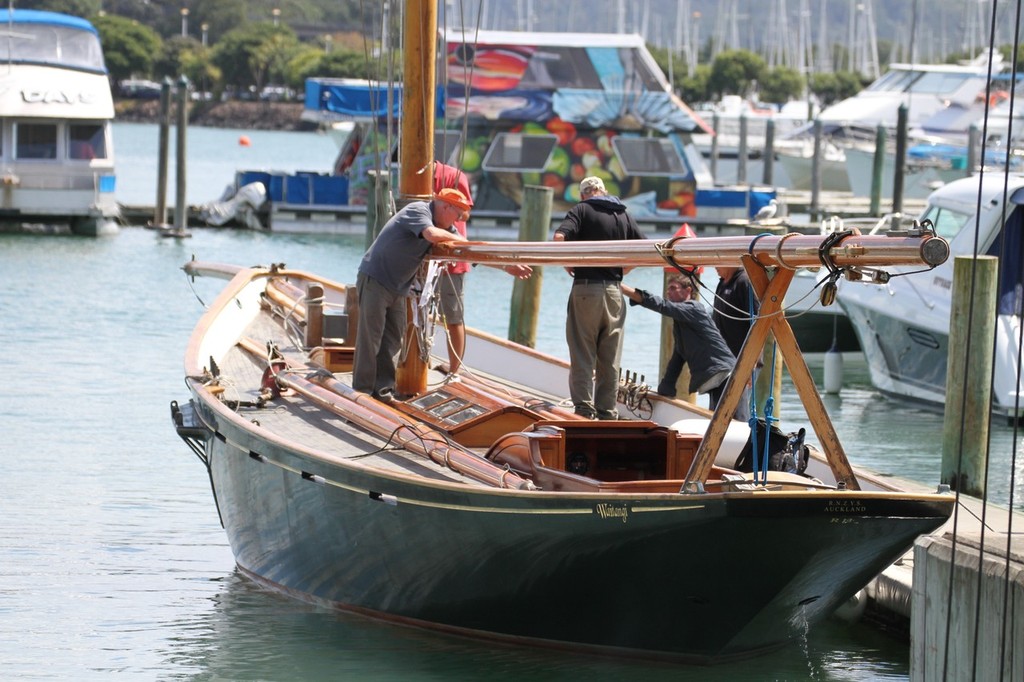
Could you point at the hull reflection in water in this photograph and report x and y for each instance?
(251, 634)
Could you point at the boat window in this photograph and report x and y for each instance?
(86, 141)
(936, 83)
(35, 141)
(894, 81)
(556, 67)
(518, 152)
(648, 156)
(48, 44)
(948, 223)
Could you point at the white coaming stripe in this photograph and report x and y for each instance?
(458, 507)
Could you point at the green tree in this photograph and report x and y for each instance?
(734, 72)
(248, 55)
(1007, 52)
(850, 83)
(129, 48)
(174, 53)
(76, 8)
(188, 56)
(695, 88)
(220, 17)
(781, 85)
(345, 64)
(825, 87)
(678, 62)
(832, 87)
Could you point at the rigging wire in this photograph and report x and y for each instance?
(1005, 257)
(963, 397)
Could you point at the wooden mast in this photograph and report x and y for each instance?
(416, 152)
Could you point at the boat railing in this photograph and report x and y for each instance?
(60, 178)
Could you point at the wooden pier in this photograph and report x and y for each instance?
(954, 633)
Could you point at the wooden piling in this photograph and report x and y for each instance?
(378, 208)
(180, 211)
(534, 221)
(160, 211)
(972, 329)
(900, 164)
(877, 168)
(815, 207)
(714, 147)
(973, 145)
(741, 151)
(768, 169)
(974, 630)
(314, 314)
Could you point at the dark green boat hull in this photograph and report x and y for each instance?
(702, 578)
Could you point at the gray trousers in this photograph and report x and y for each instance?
(593, 330)
(378, 337)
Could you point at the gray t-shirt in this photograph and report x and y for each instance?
(396, 253)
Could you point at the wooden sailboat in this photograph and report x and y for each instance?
(484, 507)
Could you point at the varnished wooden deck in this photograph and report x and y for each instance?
(296, 420)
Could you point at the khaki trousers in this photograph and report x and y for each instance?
(593, 331)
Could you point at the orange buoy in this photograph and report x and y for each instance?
(244, 141)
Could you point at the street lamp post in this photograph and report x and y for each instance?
(184, 22)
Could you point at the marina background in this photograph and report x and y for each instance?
(113, 558)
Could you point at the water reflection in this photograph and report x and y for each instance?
(250, 633)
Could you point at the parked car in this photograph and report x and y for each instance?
(276, 93)
(134, 88)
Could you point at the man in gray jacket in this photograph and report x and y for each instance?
(697, 339)
(386, 274)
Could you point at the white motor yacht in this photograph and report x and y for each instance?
(57, 159)
(903, 325)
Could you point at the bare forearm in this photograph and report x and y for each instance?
(435, 235)
(630, 292)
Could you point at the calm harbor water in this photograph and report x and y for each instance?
(112, 560)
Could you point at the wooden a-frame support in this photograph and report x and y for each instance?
(770, 292)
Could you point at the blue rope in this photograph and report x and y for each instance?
(760, 461)
(754, 450)
(769, 417)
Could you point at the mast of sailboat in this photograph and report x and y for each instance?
(416, 144)
(416, 150)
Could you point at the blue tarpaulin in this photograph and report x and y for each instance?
(350, 99)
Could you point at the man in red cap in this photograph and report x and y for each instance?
(386, 274)
(452, 281)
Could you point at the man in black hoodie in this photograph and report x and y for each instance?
(596, 313)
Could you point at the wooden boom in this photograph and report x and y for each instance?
(790, 251)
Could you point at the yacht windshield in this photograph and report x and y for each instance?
(936, 83)
(923, 82)
(49, 44)
(948, 223)
(894, 81)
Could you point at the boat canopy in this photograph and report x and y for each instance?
(352, 99)
(50, 38)
(591, 80)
